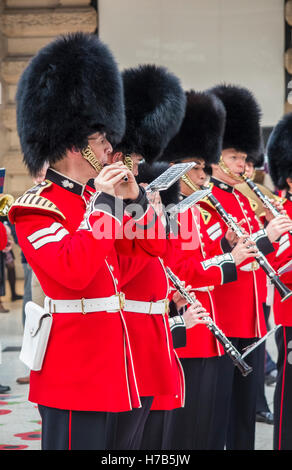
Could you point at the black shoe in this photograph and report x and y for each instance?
(16, 297)
(265, 417)
(4, 388)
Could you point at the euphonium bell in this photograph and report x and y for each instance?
(6, 201)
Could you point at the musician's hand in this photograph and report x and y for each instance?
(230, 236)
(196, 314)
(278, 205)
(179, 300)
(244, 249)
(111, 181)
(277, 227)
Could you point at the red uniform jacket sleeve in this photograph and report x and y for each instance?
(3, 237)
(72, 259)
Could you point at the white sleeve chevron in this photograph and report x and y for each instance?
(51, 234)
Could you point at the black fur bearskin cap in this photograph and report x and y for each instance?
(72, 88)
(243, 114)
(201, 132)
(279, 152)
(155, 106)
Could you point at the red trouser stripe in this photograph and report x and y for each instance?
(283, 387)
(70, 423)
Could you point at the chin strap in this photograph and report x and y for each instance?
(129, 162)
(89, 155)
(187, 180)
(227, 171)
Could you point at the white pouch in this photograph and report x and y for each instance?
(36, 334)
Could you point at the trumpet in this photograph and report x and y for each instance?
(6, 201)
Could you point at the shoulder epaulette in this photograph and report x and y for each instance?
(206, 200)
(206, 216)
(32, 199)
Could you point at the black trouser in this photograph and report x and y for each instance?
(190, 427)
(234, 418)
(153, 431)
(125, 430)
(72, 430)
(262, 404)
(283, 391)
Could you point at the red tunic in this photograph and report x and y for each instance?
(193, 248)
(88, 363)
(239, 305)
(283, 255)
(158, 370)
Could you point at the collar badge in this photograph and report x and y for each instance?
(67, 184)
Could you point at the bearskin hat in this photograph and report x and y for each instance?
(243, 114)
(257, 158)
(72, 88)
(279, 152)
(201, 132)
(155, 107)
(148, 173)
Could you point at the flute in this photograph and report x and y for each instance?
(283, 290)
(232, 352)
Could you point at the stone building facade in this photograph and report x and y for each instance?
(25, 27)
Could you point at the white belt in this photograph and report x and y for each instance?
(100, 304)
(250, 266)
(203, 289)
(156, 308)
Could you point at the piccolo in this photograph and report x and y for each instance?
(283, 290)
(229, 348)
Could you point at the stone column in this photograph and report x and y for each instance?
(25, 27)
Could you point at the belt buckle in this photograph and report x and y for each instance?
(83, 306)
(254, 265)
(121, 297)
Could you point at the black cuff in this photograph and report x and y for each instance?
(141, 201)
(109, 204)
(172, 309)
(262, 242)
(226, 264)
(226, 248)
(229, 272)
(178, 332)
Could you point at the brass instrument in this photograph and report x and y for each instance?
(6, 201)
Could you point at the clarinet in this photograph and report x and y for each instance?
(262, 197)
(283, 290)
(232, 352)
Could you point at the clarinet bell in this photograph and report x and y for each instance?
(244, 368)
(283, 290)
